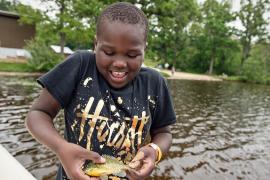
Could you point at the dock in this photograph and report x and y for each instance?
(11, 169)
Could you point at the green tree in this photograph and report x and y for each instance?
(43, 58)
(251, 16)
(7, 5)
(44, 29)
(65, 22)
(74, 21)
(169, 21)
(217, 34)
(185, 12)
(257, 67)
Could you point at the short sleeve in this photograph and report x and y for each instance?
(62, 79)
(164, 114)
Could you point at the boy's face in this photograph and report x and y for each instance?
(119, 52)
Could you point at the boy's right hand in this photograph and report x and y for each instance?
(73, 156)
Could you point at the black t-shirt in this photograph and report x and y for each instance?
(103, 119)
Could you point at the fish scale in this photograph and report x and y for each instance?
(111, 166)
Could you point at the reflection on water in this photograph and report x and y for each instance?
(221, 132)
(16, 96)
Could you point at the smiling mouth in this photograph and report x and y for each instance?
(117, 75)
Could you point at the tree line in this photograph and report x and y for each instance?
(191, 36)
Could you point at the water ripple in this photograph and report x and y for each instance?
(222, 131)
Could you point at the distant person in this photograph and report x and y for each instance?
(166, 65)
(110, 102)
(173, 70)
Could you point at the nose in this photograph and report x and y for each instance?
(119, 62)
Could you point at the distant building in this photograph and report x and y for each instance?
(57, 49)
(13, 35)
(14, 54)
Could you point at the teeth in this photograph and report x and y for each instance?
(118, 74)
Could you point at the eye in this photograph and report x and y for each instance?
(108, 53)
(132, 55)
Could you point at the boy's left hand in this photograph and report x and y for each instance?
(143, 163)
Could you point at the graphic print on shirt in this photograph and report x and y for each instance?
(101, 125)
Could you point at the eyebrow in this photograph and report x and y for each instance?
(104, 45)
(107, 46)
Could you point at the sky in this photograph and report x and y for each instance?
(35, 3)
(235, 7)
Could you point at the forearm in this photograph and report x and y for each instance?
(40, 125)
(147, 157)
(163, 138)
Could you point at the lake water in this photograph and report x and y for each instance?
(222, 131)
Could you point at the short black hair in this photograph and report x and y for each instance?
(123, 12)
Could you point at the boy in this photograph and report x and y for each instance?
(110, 102)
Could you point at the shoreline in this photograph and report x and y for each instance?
(24, 74)
(190, 76)
(177, 75)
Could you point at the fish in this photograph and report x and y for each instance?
(111, 166)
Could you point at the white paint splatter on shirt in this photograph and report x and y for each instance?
(119, 100)
(86, 81)
(113, 108)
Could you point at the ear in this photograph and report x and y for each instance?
(95, 42)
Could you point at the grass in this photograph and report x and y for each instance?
(150, 63)
(164, 74)
(236, 78)
(265, 81)
(14, 67)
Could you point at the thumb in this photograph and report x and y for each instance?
(139, 156)
(93, 156)
(136, 162)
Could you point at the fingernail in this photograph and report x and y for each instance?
(102, 159)
(134, 164)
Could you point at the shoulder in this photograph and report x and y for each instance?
(83, 55)
(80, 58)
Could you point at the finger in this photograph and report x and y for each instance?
(81, 176)
(94, 157)
(129, 176)
(137, 161)
(135, 164)
(95, 178)
(146, 169)
(86, 177)
(132, 175)
(139, 156)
